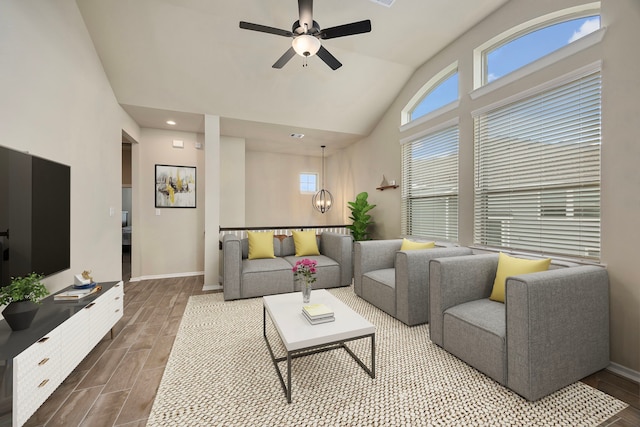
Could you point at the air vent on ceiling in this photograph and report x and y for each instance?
(387, 3)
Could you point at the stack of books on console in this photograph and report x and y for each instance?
(318, 313)
(78, 292)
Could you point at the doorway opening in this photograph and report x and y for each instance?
(127, 208)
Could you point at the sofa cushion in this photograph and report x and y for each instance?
(385, 276)
(266, 277)
(328, 275)
(476, 333)
(378, 288)
(409, 245)
(305, 242)
(287, 247)
(260, 244)
(511, 266)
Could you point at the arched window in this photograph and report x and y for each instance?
(439, 91)
(522, 49)
(441, 95)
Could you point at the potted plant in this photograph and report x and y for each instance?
(361, 219)
(21, 298)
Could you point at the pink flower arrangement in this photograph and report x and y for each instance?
(305, 268)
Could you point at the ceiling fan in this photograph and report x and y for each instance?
(306, 34)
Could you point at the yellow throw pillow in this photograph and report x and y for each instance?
(409, 245)
(305, 243)
(510, 266)
(260, 244)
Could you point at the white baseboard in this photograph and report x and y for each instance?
(167, 276)
(623, 371)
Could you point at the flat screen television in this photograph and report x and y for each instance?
(35, 215)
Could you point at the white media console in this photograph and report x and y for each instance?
(34, 362)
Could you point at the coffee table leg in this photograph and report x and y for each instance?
(373, 356)
(288, 377)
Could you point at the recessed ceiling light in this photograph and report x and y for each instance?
(171, 122)
(297, 135)
(387, 3)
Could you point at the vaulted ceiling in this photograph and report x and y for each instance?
(186, 58)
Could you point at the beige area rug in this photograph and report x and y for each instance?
(220, 374)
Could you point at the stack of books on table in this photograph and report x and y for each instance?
(318, 313)
(77, 293)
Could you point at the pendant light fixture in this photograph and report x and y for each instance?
(322, 200)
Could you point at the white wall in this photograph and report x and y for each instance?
(273, 195)
(56, 103)
(171, 243)
(620, 177)
(232, 181)
(363, 164)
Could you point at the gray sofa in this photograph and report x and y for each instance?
(245, 278)
(552, 330)
(395, 281)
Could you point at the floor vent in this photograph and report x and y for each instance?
(387, 3)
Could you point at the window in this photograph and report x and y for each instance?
(440, 91)
(441, 95)
(525, 49)
(537, 171)
(308, 182)
(430, 185)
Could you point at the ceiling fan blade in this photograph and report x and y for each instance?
(265, 29)
(284, 58)
(346, 30)
(305, 10)
(329, 59)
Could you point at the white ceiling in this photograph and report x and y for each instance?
(181, 59)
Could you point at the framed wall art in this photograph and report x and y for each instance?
(175, 186)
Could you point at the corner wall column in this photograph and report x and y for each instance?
(212, 201)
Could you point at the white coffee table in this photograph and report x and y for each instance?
(300, 338)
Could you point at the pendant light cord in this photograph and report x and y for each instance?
(323, 166)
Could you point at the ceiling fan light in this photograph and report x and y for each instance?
(306, 45)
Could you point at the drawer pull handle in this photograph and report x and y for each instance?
(117, 286)
(117, 310)
(41, 340)
(91, 305)
(43, 383)
(117, 298)
(43, 361)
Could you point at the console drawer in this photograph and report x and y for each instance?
(36, 374)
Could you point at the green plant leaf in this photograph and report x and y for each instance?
(26, 288)
(361, 220)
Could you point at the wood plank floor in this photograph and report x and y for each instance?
(115, 385)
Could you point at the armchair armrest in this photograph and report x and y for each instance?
(371, 255)
(339, 247)
(412, 281)
(557, 328)
(456, 280)
(231, 266)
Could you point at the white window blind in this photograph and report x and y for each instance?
(430, 185)
(537, 172)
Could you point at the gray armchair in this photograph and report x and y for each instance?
(552, 330)
(395, 281)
